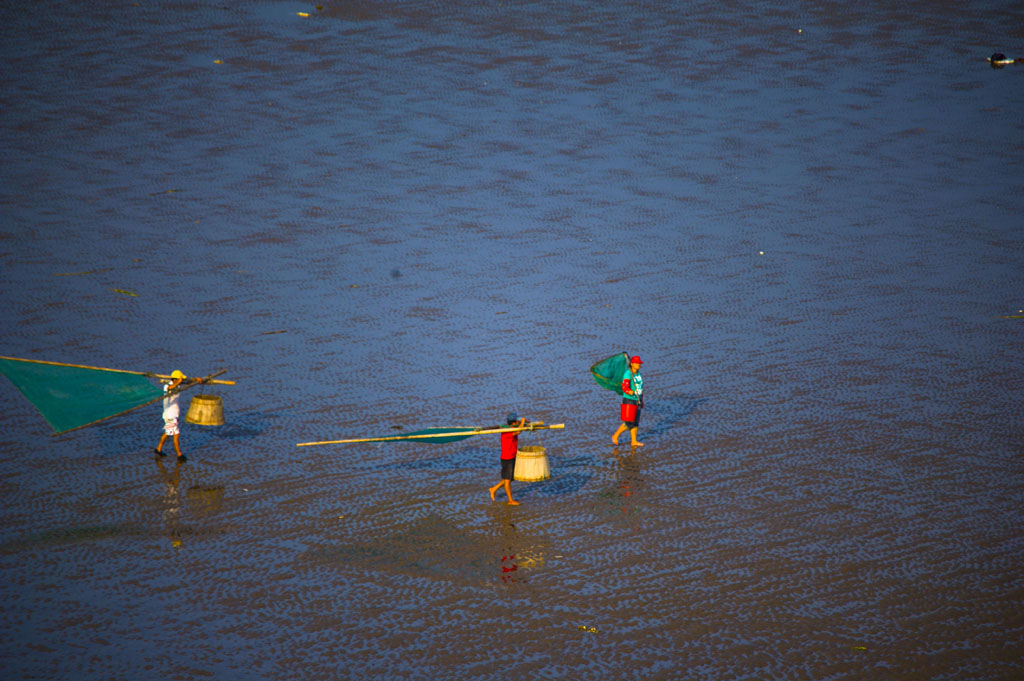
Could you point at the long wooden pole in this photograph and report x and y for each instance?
(120, 371)
(465, 433)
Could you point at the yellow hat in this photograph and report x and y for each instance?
(177, 374)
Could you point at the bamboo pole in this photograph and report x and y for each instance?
(119, 371)
(464, 433)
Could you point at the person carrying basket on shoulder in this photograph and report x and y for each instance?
(171, 413)
(509, 448)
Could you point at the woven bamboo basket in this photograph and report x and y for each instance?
(531, 464)
(206, 410)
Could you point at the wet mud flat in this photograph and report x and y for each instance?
(386, 216)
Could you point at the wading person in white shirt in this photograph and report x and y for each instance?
(171, 413)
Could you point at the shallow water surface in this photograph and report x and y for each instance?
(387, 216)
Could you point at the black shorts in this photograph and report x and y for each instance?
(508, 468)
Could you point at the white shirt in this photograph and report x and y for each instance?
(171, 409)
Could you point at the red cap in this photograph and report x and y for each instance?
(635, 359)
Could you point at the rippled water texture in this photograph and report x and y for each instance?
(806, 217)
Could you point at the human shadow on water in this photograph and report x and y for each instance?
(560, 484)
(237, 428)
(244, 426)
(666, 412)
(440, 457)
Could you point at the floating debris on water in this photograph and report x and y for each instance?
(123, 292)
(168, 191)
(77, 274)
(999, 60)
(589, 630)
(270, 333)
(208, 497)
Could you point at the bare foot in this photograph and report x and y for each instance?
(636, 444)
(513, 502)
(492, 494)
(615, 439)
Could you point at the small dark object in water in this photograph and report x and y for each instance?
(999, 60)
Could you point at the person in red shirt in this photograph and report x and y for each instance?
(509, 447)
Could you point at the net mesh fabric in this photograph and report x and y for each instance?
(70, 397)
(609, 371)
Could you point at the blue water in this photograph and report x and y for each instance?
(384, 216)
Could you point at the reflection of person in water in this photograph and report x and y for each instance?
(630, 484)
(172, 496)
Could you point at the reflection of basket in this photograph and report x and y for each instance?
(205, 410)
(208, 498)
(531, 464)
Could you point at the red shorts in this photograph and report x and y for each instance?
(630, 413)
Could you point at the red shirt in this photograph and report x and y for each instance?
(509, 445)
